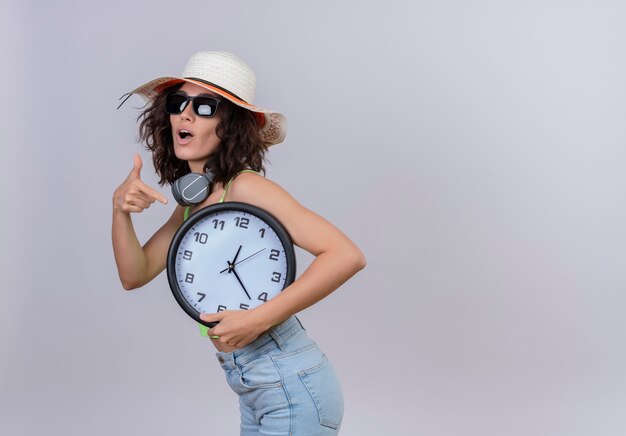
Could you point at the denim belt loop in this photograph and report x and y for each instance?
(299, 322)
(279, 341)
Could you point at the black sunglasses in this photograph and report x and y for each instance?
(203, 105)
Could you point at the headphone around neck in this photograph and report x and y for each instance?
(192, 188)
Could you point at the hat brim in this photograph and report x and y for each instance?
(273, 125)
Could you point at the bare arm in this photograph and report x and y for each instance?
(337, 259)
(138, 265)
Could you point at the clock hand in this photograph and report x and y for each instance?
(236, 255)
(232, 266)
(254, 254)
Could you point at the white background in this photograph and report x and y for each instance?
(473, 150)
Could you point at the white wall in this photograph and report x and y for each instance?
(474, 150)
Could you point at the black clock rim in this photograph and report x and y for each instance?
(260, 213)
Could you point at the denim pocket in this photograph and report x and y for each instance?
(323, 385)
(259, 373)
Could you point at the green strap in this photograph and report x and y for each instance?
(231, 181)
(204, 330)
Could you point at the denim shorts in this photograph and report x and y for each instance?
(285, 384)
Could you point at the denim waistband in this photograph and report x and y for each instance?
(276, 336)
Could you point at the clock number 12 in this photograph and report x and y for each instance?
(242, 222)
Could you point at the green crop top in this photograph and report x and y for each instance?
(204, 329)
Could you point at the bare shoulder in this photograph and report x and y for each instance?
(259, 191)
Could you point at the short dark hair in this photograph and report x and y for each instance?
(241, 146)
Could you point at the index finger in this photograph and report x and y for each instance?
(152, 193)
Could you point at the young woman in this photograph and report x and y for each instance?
(205, 121)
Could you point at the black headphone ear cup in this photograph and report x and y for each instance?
(176, 192)
(190, 189)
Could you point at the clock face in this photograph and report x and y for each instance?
(229, 256)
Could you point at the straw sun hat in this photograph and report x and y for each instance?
(224, 74)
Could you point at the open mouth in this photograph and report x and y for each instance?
(184, 134)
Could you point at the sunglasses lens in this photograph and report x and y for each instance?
(175, 104)
(205, 107)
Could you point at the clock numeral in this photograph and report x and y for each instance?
(201, 296)
(201, 237)
(189, 278)
(263, 297)
(276, 277)
(187, 254)
(242, 222)
(262, 232)
(218, 223)
(274, 254)
(244, 306)
(221, 308)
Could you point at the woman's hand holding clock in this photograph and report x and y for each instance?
(236, 328)
(133, 195)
